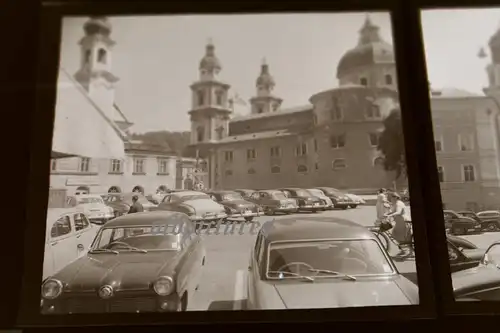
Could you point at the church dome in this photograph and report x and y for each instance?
(97, 25)
(210, 61)
(371, 49)
(265, 78)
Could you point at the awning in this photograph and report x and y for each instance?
(81, 127)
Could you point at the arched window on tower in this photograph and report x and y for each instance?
(220, 132)
(388, 79)
(201, 97)
(101, 56)
(219, 97)
(200, 134)
(260, 109)
(87, 56)
(363, 81)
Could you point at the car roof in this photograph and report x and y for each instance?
(147, 218)
(310, 228)
(222, 192)
(489, 212)
(475, 280)
(270, 191)
(290, 188)
(79, 196)
(187, 193)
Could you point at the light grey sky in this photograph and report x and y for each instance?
(157, 57)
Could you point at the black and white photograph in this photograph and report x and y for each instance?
(247, 162)
(462, 49)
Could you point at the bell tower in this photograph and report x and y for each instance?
(493, 68)
(210, 111)
(265, 101)
(95, 65)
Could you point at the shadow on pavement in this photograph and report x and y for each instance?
(412, 276)
(226, 305)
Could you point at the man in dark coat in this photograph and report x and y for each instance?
(136, 205)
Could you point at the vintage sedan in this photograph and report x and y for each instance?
(356, 199)
(460, 225)
(273, 201)
(142, 262)
(481, 283)
(245, 193)
(68, 236)
(339, 199)
(490, 220)
(306, 201)
(121, 202)
(462, 258)
(318, 262)
(197, 205)
(322, 196)
(94, 207)
(236, 206)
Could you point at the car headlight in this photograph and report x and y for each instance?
(164, 286)
(51, 289)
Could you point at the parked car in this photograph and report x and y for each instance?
(305, 200)
(490, 220)
(236, 206)
(197, 205)
(121, 202)
(356, 199)
(245, 193)
(68, 236)
(339, 199)
(481, 283)
(344, 260)
(142, 262)
(322, 196)
(460, 225)
(93, 206)
(274, 201)
(462, 258)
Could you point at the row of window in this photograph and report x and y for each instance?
(468, 173)
(372, 112)
(337, 164)
(301, 149)
(201, 97)
(116, 166)
(387, 80)
(465, 143)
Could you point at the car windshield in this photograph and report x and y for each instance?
(326, 258)
(316, 193)
(302, 193)
(278, 195)
(331, 191)
(190, 197)
(492, 257)
(231, 196)
(90, 201)
(137, 239)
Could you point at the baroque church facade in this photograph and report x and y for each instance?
(330, 141)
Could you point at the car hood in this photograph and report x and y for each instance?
(238, 204)
(124, 271)
(339, 294)
(94, 206)
(204, 206)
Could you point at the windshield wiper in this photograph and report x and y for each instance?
(103, 251)
(308, 278)
(334, 273)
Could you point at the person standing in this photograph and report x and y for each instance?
(401, 230)
(382, 205)
(136, 205)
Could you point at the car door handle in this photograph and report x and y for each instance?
(80, 247)
(78, 236)
(55, 243)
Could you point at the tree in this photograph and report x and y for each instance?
(391, 144)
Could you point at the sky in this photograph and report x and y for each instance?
(157, 57)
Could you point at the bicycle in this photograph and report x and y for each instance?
(384, 234)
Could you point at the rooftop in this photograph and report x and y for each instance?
(313, 228)
(452, 93)
(282, 112)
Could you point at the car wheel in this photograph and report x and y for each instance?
(492, 226)
(345, 207)
(354, 206)
(249, 219)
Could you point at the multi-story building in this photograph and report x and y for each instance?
(332, 141)
(144, 167)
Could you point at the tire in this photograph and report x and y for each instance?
(249, 219)
(492, 226)
(354, 206)
(345, 207)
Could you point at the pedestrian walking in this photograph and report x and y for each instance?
(401, 231)
(136, 205)
(382, 206)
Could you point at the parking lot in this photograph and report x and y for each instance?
(224, 280)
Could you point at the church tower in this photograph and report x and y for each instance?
(493, 68)
(210, 111)
(265, 101)
(95, 66)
